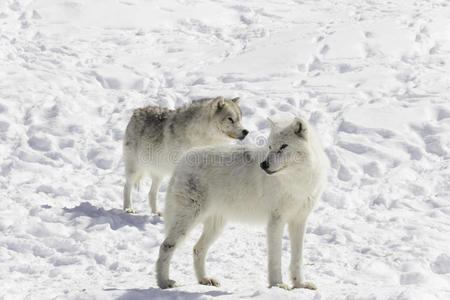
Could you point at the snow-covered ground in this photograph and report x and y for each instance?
(373, 76)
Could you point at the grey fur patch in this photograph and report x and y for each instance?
(248, 158)
(196, 193)
(149, 122)
(149, 127)
(183, 116)
(195, 189)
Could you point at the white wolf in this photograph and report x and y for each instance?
(215, 184)
(156, 137)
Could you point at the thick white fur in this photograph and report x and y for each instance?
(216, 184)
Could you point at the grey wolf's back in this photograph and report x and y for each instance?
(147, 123)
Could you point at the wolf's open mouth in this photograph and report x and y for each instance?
(270, 172)
(273, 172)
(235, 137)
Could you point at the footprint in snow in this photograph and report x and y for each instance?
(285, 108)
(368, 34)
(412, 278)
(314, 64)
(354, 147)
(15, 6)
(40, 143)
(442, 264)
(324, 50)
(414, 152)
(66, 143)
(441, 112)
(4, 126)
(3, 109)
(372, 169)
(100, 158)
(247, 111)
(36, 15)
(344, 68)
(344, 174)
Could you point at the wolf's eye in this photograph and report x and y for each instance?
(230, 119)
(281, 148)
(270, 147)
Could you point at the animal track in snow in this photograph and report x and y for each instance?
(40, 143)
(443, 113)
(100, 157)
(4, 126)
(354, 147)
(344, 68)
(324, 50)
(442, 264)
(412, 278)
(372, 169)
(344, 174)
(3, 108)
(368, 34)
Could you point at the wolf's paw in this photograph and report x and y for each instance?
(129, 210)
(209, 281)
(305, 285)
(281, 286)
(167, 284)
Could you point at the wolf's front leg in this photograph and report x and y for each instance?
(127, 204)
(153, 195)
(176, 233)
(274, 235)
(296, 234)
(212, 228)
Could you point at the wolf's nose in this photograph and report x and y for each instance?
(264, 165)
(244, 132)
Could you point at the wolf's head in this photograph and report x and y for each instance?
(227, 117)
(288, 147)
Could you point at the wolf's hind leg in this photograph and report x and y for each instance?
(212, 228)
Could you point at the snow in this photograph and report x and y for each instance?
(373, 77)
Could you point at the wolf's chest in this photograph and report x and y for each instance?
(296, 194)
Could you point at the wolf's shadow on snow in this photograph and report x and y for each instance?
(116, 218)
(158, 294)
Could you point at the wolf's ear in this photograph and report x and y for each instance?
(220, 103)
(236, 100)
(271, 122)
(299, 127)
